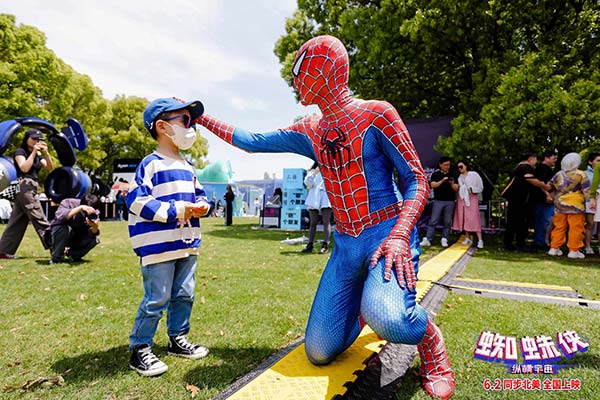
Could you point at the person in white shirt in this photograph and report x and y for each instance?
(317, 202)
(466, 213)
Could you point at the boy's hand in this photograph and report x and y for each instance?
(200, 210)
(197, 210)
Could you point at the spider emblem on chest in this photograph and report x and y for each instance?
(334, 147)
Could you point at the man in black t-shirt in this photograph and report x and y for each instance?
(518, 212)
(444, 188)
(543, 204)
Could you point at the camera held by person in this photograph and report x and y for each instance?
(75, 228)
(91, 216)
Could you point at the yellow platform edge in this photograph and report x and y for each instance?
(530, 295)
(518, 284)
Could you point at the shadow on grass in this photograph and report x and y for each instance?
(91, 366)
(515, 256)
(494, 249)
(585, 360)
(409, 384)
(245, 232)
(232, 363)
(323, 257)
(66, 262)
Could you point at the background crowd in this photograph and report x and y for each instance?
(547, 206)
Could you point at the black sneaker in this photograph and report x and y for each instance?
(179, 346)
(145, 362)
(309, 248)
(324, 248)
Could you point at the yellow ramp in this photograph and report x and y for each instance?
(435, 268)
(294, 377)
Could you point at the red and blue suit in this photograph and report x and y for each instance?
(359, 145)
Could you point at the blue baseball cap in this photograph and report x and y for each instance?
(159, 106)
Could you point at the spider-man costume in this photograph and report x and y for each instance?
(358, 144)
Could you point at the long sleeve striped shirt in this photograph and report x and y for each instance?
(156, 200)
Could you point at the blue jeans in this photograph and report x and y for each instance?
(543, 214)
(167, 286)
(440, 208)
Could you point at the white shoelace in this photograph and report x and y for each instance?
(148, 357)
(183, 342)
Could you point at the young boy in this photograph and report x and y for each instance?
(165, 201)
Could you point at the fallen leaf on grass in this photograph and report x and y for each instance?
(221, 333)
(193, 389)
(202, 300)
(14, 364)
(45, 277)
(218, 363)
(82, 297)
(35, 383)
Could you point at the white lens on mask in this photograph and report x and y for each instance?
(183, 138)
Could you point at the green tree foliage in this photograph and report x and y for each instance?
(517, 75)
(35, 82)
(124, 136)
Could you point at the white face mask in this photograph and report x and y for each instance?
(182, 137)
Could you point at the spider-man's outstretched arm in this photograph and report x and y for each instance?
(289, 140)
(398, 147)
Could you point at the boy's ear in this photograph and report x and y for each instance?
(160, 127)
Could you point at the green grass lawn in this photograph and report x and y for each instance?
(463, 318)
(494, 263)
(253, 295)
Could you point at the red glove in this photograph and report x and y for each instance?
(397, 254)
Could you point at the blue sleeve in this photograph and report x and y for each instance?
(141, 202)
(405, 172)
(281, 141)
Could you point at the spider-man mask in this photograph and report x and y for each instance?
(321, 70)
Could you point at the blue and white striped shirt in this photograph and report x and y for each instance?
(156, 200)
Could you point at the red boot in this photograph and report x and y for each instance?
(436, 373)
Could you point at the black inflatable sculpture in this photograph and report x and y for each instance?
(65, 181)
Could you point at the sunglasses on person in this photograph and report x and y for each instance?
(187, 121)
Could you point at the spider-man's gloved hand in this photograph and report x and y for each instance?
(396, 251)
